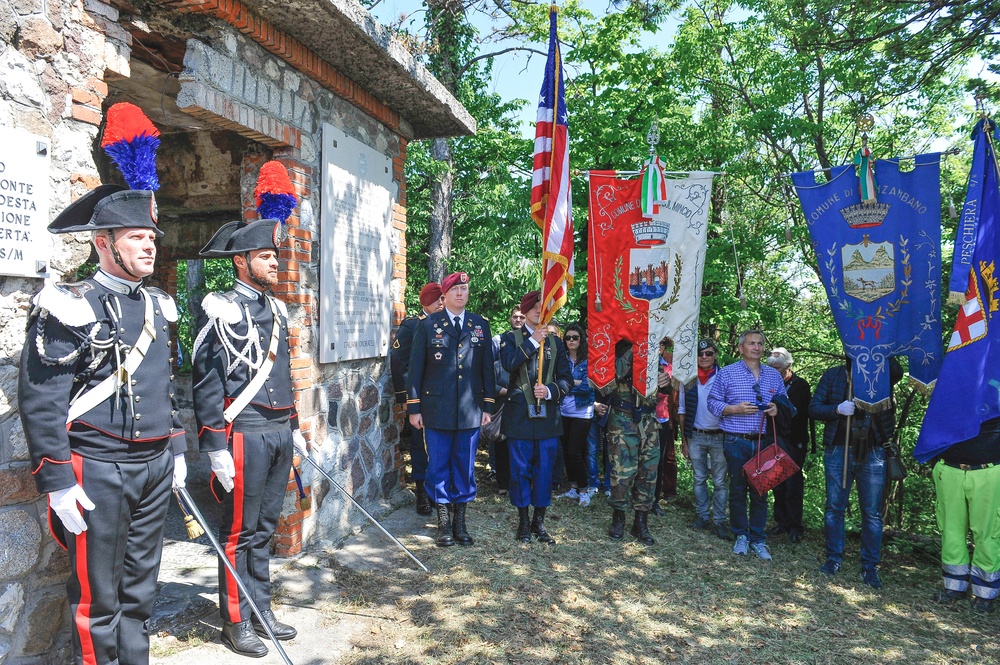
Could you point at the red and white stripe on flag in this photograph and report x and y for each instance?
(551, 206)
(970, 324)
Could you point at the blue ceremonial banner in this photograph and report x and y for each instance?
(881, 265)
(965, 239)
(968, 391)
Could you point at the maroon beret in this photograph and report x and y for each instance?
(454, 279)
(529, 300)
(430, 294)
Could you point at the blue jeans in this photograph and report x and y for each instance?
(738, 452)
(593, 451)
(870, 478)
(708, 458)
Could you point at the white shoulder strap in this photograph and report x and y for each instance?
(106, 388)
(237, 405)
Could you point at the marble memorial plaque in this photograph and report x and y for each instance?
(358, 194)
(25, 244)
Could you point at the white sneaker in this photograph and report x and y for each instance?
(584, 499)
(571, 494)
(607, 493)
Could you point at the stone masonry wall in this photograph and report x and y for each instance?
(54, 56)
(56, 60)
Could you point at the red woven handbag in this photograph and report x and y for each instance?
(770, 466)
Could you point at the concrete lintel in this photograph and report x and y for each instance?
(344, 34)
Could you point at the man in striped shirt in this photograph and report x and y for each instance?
(742, 399)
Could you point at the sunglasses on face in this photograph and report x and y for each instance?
(572, 338)
(706, 354)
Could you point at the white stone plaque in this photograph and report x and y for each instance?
(356, 258)
(25, 245)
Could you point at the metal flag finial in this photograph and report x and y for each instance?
(653, 136)
(864, 122)
(981, 105)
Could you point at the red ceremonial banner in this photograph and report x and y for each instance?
(626, 270)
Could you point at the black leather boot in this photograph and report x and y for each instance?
(423, 501)
(617, 530)
(282, 631)
(538, 527)
(523, 526)
(444, 538)
(240, 638)
(461, 534)
(640, 528)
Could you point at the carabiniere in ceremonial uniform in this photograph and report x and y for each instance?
(98, 409)
(247, 420)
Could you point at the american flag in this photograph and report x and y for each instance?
(550, 195)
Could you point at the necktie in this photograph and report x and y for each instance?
(458, 323)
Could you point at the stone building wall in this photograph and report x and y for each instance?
(62, 62)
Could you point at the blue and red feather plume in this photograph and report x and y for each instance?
(131, 140)
(274, 194)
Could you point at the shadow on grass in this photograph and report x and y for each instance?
(687, 599)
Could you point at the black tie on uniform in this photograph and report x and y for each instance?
(458, 323)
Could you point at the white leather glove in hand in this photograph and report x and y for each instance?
(223, 467)
(300, 443)
(64, 503)
(180, 470)
(846, 408)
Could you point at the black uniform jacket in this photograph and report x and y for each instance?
(137, 422)
(399, 355)
(514, 359)
(450, 381)
(214, 389)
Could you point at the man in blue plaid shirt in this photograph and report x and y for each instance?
(741, 398)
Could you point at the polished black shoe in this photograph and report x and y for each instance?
(640, 528)
(617, 530)
(656, 510)
(459, 531)
(722, 531)
(444, 537)
(538, 527)
(281, 630)
(776, 530)
(240, 638)
(523, 526)
(423, 501)
(795, 536)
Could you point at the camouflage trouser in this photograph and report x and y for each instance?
(634, 449)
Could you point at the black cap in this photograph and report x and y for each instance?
(706, 344)
(108, 207)
(239, 237)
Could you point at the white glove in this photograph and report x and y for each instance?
(846, 408)
(223, 467)
(180, 470)
(300, 443)
(64, 503)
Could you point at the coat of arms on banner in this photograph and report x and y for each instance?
(869, 270)
(645, 275)
(880, 262)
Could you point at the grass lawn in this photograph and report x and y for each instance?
(686, 599)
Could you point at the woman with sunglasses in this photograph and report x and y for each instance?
(577, 413)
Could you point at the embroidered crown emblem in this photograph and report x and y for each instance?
(865, 215)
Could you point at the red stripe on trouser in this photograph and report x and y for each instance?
(235, 528)
(82, 618)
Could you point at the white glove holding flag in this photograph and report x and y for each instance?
(300, 443)
(64, 504)
(846, 408)
(180, 470)
(223, 467)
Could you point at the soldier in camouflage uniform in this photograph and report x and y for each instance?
(634, 448)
